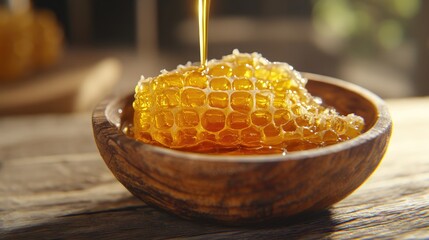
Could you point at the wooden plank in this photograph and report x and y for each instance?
(44, 135)
(53, 184)
(63, 90)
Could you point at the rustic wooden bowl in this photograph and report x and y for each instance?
(252, 188)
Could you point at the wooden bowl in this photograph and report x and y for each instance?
(251, 188)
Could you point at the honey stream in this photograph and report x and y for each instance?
(203, 19)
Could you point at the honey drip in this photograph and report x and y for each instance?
(203, 20)
(243, 104)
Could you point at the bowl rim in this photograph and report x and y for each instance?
(382, 124)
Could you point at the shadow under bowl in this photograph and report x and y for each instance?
(248, 188)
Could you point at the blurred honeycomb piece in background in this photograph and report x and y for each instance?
(30, 41)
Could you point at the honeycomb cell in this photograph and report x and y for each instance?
(302, 121)
(213, 120)
(261, 72)
(307, 132)
(311, 135)
(261, 118)
(330, 137)
(251, 136)
(168, 98)
(193, 97)
(163, 137)
(272, 135)
(280, 102)
(206, 137)
(220, 70)
(196, 79)
(339, 126)
(353, 132)
(155, 85)
(173, 80)
(244, 71)
(145, 137)
(164, 119)
(263, 84)
(144, 120)
(271, 131)
(220, 83)
(242, 84)
(187, 136)
(278, 72)
(143, 101)
(238, 120)
(187, 118)
(355, 126)
(229, 137)
(290, 126)
(281, 117)
(282, 86)
(298, 109)
(142, 88)
(218, 99)
(262, 100)
(241, 101)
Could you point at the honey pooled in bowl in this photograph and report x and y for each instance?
(241, 104)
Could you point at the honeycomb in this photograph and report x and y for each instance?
(30, 41)
(242, 103)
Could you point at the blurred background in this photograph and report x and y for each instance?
(65, 55)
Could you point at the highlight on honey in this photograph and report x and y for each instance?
(242, 103)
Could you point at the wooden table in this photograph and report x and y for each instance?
(54, 185)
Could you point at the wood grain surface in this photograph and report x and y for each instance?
(54, 185)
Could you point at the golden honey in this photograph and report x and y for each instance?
(203, 21)
(240, 104)
(29, 41)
